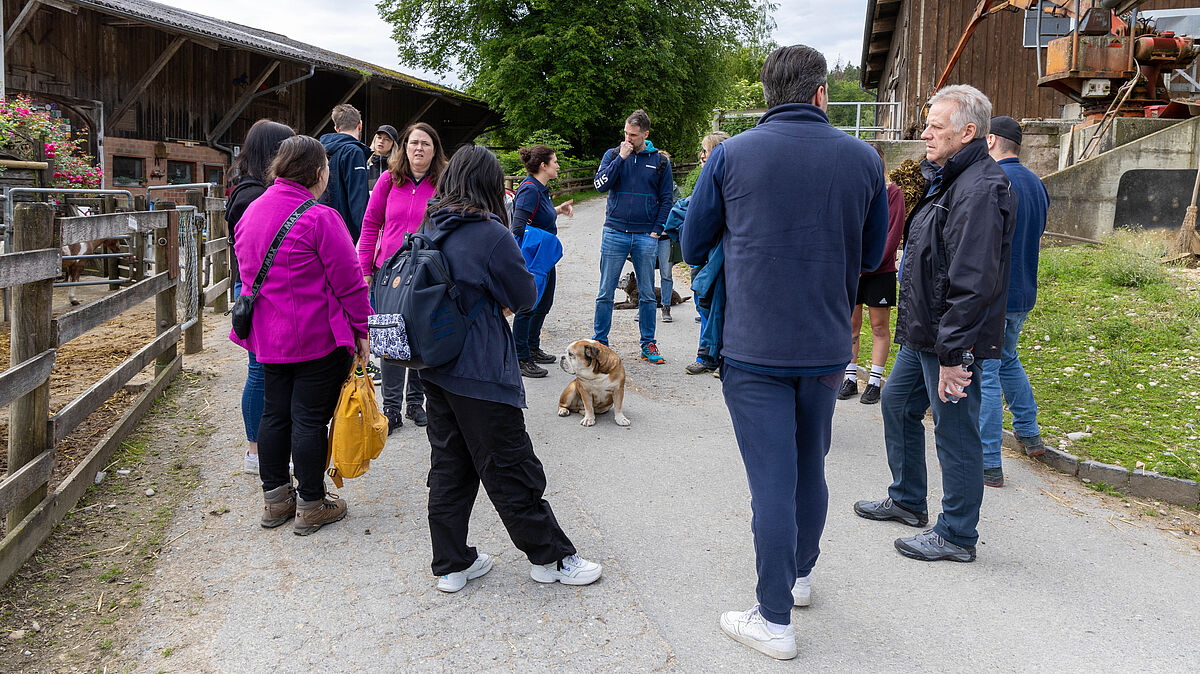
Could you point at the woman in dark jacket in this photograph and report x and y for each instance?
(249, 176)
(476, 426)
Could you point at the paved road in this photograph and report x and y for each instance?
(664, 506)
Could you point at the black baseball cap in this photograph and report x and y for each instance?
(1006, 127)
(390, 131)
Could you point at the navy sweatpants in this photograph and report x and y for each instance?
(783, 426)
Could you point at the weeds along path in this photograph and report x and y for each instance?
(1066, 579)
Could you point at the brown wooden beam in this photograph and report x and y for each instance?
(345, 99)
(226, 121)
(140, 88)
(424, 109)
(20, 23)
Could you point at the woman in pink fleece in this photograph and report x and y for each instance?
(397, 207)
(309, 323)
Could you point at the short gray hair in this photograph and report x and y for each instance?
(793, 75)
(971, 106)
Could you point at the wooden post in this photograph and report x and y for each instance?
(112, 265)
(166, 258)
(137, 268)
(193, 337)
(219, 229)
(29, 415)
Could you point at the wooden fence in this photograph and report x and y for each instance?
(32, 509)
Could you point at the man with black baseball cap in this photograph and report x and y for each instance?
(1006, 373)
(385, 140)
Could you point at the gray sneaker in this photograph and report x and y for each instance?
(887, 509)
(928, 546)
(1033, 446)
(993, 477)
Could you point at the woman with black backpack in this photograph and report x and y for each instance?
(476, 426)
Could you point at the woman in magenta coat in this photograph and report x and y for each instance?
(309, 324)
(397, 207)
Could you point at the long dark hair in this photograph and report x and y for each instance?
(398, 162)
(300, 159)
(262, 142)
(472, 183)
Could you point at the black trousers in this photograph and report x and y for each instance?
(299, 402)
(475, 441)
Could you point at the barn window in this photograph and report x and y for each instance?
(214, 174)
(179, 172)
(1053, 27)
(129, 170)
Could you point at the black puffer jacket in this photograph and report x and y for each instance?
(954, 277)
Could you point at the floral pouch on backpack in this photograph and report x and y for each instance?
(387, 336)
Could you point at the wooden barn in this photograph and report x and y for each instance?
(167, 95)
(907, 44)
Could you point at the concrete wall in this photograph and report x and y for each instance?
(1083, 197)
(896, 151)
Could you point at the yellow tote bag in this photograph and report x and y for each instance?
(358, 431)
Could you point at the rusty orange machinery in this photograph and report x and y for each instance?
(1105, 52)
(1107, 49)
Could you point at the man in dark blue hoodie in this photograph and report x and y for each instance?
(640, 191)
(800, 210)
(1006, 374)
(347, 192)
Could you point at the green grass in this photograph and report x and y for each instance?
(1113, 349)
(579, 197)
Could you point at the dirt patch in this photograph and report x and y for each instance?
(75, 602)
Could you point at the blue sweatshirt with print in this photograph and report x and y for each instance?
(640, 190)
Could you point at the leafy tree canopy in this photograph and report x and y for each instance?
(577, 69)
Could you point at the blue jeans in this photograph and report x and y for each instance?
(783, 427)
(1008, 375)
(664, 270)
(252, 391)
(910, 391)
(527, 325)
(615, 248)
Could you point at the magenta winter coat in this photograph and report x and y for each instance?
(392, 212)
(314, 299)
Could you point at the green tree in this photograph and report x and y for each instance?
(578, 69)
(844, 86)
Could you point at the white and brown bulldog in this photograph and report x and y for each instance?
(599, 382)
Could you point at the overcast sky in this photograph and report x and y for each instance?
(353, 27)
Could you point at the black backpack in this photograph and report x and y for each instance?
(420, 321)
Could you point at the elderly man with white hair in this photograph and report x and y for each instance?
(953, 285)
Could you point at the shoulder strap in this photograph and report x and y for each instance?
(536, 206)
(269, 259)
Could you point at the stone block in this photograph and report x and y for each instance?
(1169, 489)
(1114, 476)
(1064, 462)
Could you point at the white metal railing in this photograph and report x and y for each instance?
(891, 131)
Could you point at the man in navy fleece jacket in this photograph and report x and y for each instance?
(800, 209)
(638, 181)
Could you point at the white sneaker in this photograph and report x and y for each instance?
(802, 591)
(453, 582)
(575, 571)
(750, 628)
(250, 463)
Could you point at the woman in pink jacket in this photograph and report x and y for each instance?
(309, 324)
(397, 207)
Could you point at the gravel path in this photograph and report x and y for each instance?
(1060, 584)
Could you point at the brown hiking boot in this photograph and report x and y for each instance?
(279, 506)
(312, 515)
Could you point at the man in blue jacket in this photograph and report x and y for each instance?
(347, 192)
(800, 210)
(638, 181)
(1006, 372)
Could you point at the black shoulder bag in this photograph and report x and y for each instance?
(243, 306)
